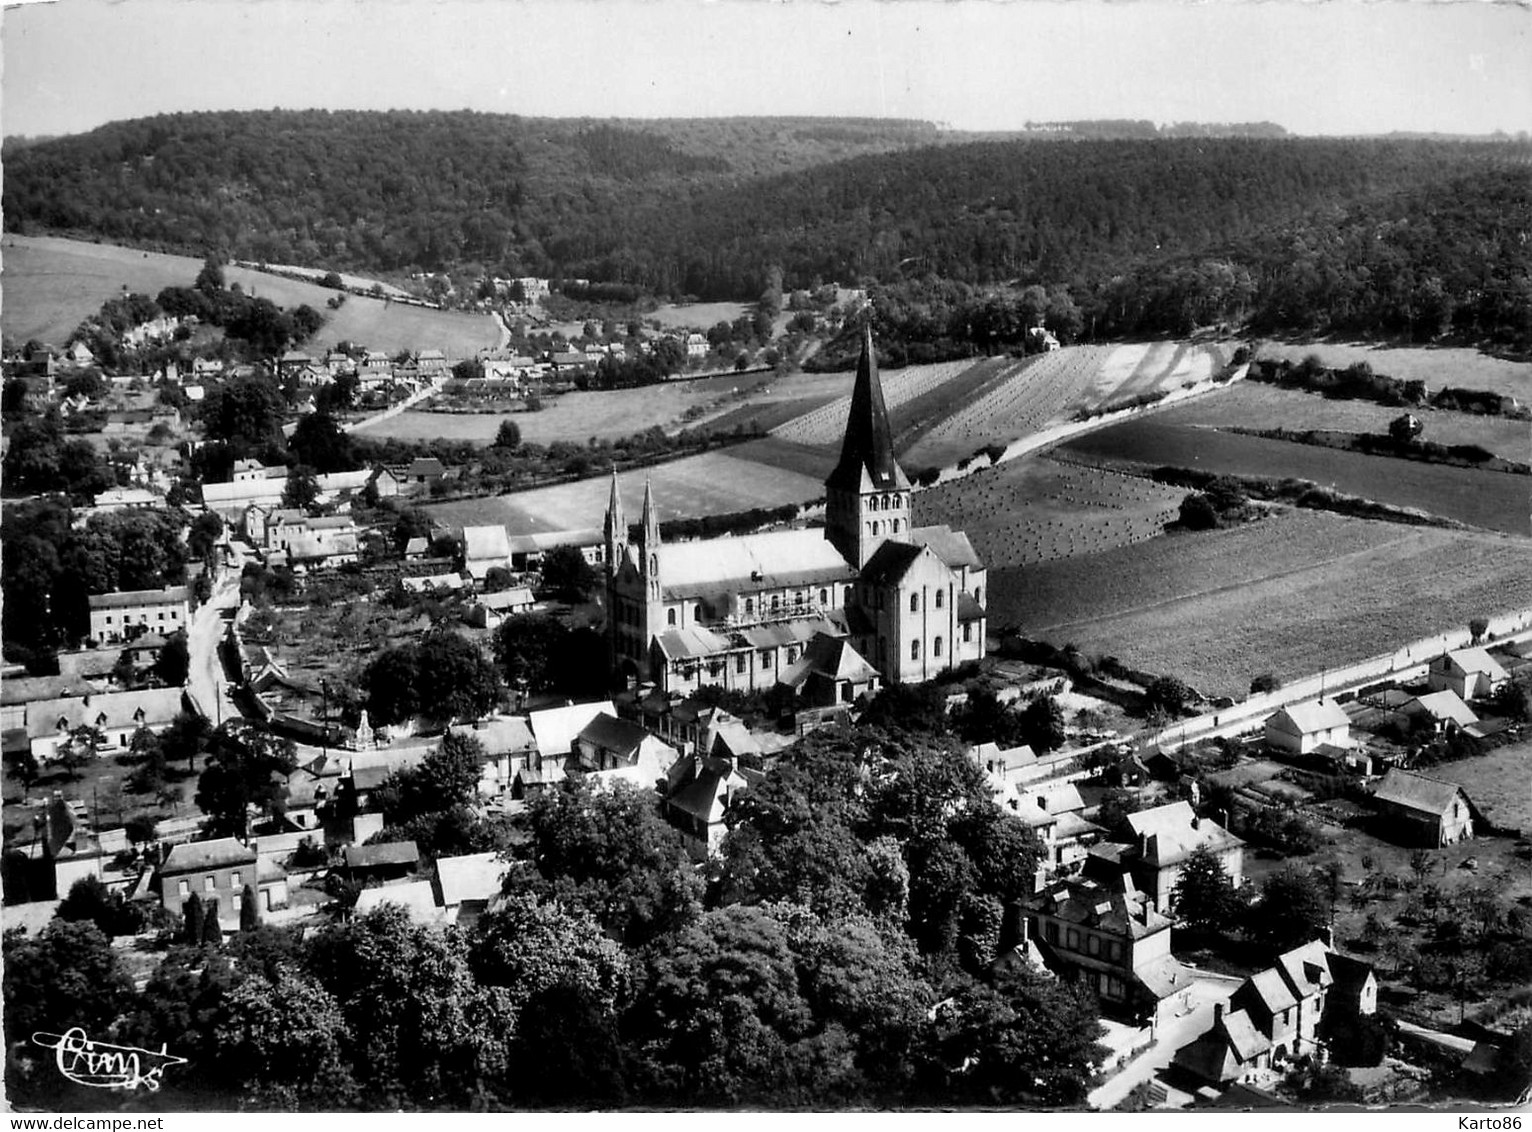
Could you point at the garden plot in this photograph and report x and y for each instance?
(827, 424)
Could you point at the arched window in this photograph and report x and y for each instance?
(978, 594)
(872, 503)
(914, 603)
(670, 617)
(886, 502)
(914, 650)
(940, 595)
(654, 564)
(824, 597)
(936, 646)
(877, 527)
(750, 605)
(848, 595)
(697, 612)
(798, 598)
(893, 526)
(776, 602)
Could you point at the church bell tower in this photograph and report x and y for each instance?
(867, 496)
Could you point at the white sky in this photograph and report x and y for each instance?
(1314, 66)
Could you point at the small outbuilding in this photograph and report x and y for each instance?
(1416, 810)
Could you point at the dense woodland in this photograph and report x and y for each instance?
(1407, 237)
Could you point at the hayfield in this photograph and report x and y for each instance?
(696, 316)
(1037, 509)
(1248, 404)
(713, 483)
(1437, 366)
(53, 284)
(579, 416)
(1493, 500)
(1292, 594)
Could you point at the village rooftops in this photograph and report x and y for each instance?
(556, 729)
(474, 876)
(1172, 832)
(391, 853)
(1318, 715)
(609, 733)
(1117, 910)
(1477, 660)
(110, 711)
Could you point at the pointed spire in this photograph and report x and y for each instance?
(616, 524)
(868, 448)
(651, 518)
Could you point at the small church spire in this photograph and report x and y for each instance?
(616, 526)
(651, 518)
(868, 446)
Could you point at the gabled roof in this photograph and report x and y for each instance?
(695, 642)
(507, 599)
(831, 657)
(1319, 715)
(1272, 991)
(376, 856)
(1306, 969)
(199, 856)
(891, 562)
(475, 876)
(1116, 910)
(1246, 1041)
(500, 734)
(952, 547)
(555, 729)
(702, 793)
(120, 709)
(1443, 705)
(417, 545)
(417, 898)
(609, 733)
(486, 542)
(131, 599)
(1350, 974)
(1171, 833)
(867, 460)
(772, 560)
(1476, 660)
(1416, 792)
(25, 689)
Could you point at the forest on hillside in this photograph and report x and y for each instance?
(1416, 238)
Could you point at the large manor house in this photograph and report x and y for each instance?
(832, 612)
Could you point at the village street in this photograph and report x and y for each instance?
(205, 683)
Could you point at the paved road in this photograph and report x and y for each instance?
(205, 679)
(1178, 1031)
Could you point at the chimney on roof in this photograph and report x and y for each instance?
(1218, 1009)
(1196, 822)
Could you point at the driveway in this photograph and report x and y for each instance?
(1188, 1017)
(205, 681)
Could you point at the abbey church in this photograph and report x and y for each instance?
(832, 613)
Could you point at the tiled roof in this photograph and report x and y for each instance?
(773, 560)
(1443, 705)
(417, 898)
(1272, 990)
(555, 729)
(1318, 715)
(476, 876)
(198, 856)
(952, 547)
(1477, 660)
(486, 542)
(609, 733)
(890, 562)
(127, 599)
(1246, 1041)
(1416, 792)
(120, 709)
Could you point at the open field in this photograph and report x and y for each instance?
(53, 284)
(1493, 500)
(713, 483)
(1291, 594)
(1437, 366)
(577, 416)
(1037, 509)
(1248, 404)
(697, 316)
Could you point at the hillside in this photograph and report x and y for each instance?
(1410, 237)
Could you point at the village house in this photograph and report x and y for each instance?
(1416, 810)
(528, 551)
(698, 791)
(608, 742)
(1166, 836)
(417, 898)
(218, 872)
(116, 715)
(378, 864)
(1275, 1015)
(1443, 709)
(1470, 673)
(485, 549)
(230, 500)
(1299, 729)
(121, 616)
(489, 610)
(1111, 937)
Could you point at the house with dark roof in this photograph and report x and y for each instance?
(1110, 937)
(735, 612)
(391, 860)
(218, 872)
(697, 795)
(609, 743)
(1416, 810)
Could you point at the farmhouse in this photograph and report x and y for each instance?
(218, 872)
(527, 551)
(1299, 729)
(491, 609)
(1471, 673)
(417, 898)
(1417, 810)
(1443, 708)
(121, 616)
(738, 611)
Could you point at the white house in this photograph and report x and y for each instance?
(1471, 673)
(119, 616)
(1300, 728)
(485, 548)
